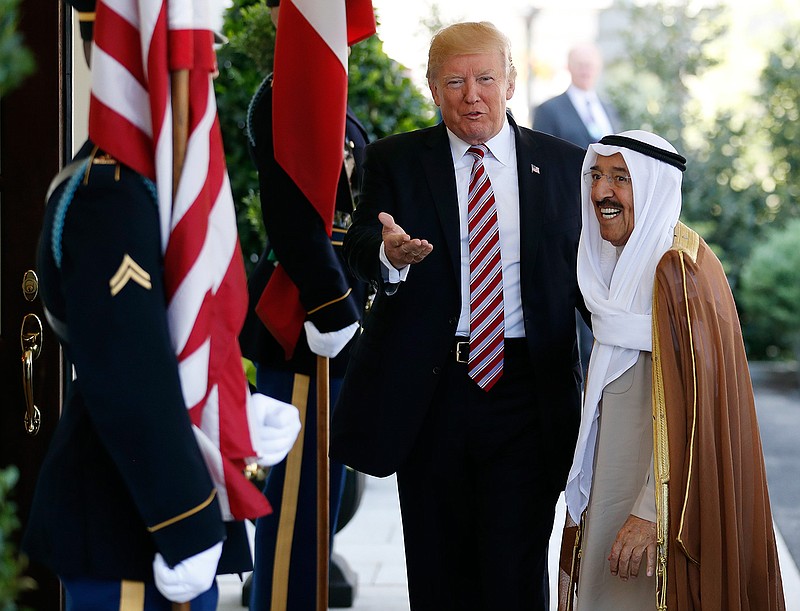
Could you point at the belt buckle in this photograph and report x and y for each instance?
(462, 352)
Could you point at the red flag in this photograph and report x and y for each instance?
(309, 115)
(137, 44)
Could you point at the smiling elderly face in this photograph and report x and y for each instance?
(612, 196)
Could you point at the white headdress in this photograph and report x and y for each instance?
(618, 287)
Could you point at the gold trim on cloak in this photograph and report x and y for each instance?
(687, 243)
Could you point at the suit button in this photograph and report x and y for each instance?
(437, 371)
(453, 320)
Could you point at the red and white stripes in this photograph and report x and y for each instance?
(309, 111)
(137, 44)
(486, 318)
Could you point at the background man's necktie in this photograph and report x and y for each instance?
(486, 320)
(592, 125)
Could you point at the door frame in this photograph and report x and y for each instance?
(35, 128)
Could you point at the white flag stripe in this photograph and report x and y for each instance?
(181, 15)
(142, 16)
(213, 460)
(197, 156)
(193, 371)
(329, 19)
(206, 273)
(127, 10)
(163, 163)
(210, 420)
(108, 78)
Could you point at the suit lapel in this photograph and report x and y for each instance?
(438, 163)
(531, 169)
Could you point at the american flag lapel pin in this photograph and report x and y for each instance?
(535, 169)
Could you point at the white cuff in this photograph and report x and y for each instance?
(645, 505)
(328, 344)
(391, 274)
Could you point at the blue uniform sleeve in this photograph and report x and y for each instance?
(115, 310)
(297, 235)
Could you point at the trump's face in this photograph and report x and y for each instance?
(471, 91)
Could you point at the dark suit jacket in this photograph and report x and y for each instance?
(408, 336)
(557, 116)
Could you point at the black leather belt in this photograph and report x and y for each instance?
(513, 346)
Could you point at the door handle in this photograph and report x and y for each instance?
(30, 337)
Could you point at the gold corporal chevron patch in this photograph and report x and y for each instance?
(129, 270)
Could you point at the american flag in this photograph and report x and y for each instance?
(137, 43)
(308, 115)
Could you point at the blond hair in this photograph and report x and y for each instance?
(465, 39)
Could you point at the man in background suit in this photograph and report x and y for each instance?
(580, 116)
(480, 455)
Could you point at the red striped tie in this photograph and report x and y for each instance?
(486, 322)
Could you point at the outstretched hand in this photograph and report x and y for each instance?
(400, 248)
(635, 541)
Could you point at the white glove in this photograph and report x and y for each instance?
(189, 578)
(274, 426)
(328, 344)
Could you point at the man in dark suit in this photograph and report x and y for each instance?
(333, 300)
(481, 454)
(580, 116)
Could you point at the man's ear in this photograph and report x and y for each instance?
(512, 85)
(434, 91)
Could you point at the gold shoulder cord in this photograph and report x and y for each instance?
(661, 464)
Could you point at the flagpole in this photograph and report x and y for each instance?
(323, 481)
(180, 123)
(179, 81)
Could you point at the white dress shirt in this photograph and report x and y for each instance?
(501, 166)
(591, 111)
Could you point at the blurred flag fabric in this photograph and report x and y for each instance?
(309, 107)
(137, 43)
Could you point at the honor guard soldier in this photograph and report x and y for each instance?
(124, 508)
(285, 541)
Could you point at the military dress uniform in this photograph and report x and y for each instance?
(124, 477)
(285, 556)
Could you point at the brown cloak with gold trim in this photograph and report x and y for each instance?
(715, 524)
